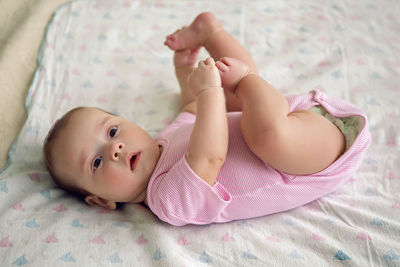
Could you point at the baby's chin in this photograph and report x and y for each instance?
(139, 199)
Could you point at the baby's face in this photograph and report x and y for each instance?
(106, 155)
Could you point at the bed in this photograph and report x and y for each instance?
(110, 54)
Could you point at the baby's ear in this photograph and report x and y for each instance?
(98, 201)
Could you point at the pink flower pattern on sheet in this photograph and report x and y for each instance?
(110, 54)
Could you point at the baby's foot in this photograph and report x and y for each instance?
(186, 58)
(232, 70)
(196, 34)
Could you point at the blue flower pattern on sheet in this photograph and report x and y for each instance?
(295, 255)
(32, 224)
(114, 258)
(20, 261)
(158, 255)
(340, 255)
(3, 187)
(204, 257)
(76, 223)
(249, 256)
(120, 224)
(379, 222)
(67, 258)
(391, 256)
(45, 193)
(112, 56)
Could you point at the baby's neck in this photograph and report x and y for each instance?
(144, 198)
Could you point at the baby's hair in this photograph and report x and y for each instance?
(49, 141)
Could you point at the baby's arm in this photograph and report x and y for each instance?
(208, 143)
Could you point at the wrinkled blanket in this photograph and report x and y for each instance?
(110, 54)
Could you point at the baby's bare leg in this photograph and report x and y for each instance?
(300, 142)
(206, 31)
(184, 62)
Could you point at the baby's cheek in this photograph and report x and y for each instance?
(114, 176)
(118, 184)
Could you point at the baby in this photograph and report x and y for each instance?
(272, 154)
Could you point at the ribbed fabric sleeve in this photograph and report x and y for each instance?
(182, 197)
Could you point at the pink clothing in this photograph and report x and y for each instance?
(246, 187)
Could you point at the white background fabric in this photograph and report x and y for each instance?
(110, 54)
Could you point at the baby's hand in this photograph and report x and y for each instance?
(204, 77)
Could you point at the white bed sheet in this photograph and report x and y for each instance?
(110, 54)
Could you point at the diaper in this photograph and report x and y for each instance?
(349, 126)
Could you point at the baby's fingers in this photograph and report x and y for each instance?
(201, 63)
(221, 66)
(210, 61)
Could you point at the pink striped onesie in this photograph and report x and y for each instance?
(246, 187)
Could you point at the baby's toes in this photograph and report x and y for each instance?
(169, 41)
(172, 42)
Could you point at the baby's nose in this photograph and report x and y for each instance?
(116, 150)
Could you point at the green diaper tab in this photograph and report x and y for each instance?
(349, 126)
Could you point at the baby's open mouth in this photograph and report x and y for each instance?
(134, 160)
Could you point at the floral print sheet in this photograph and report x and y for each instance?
(110, 54)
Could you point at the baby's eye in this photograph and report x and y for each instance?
(96, 163)
(113, 131)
